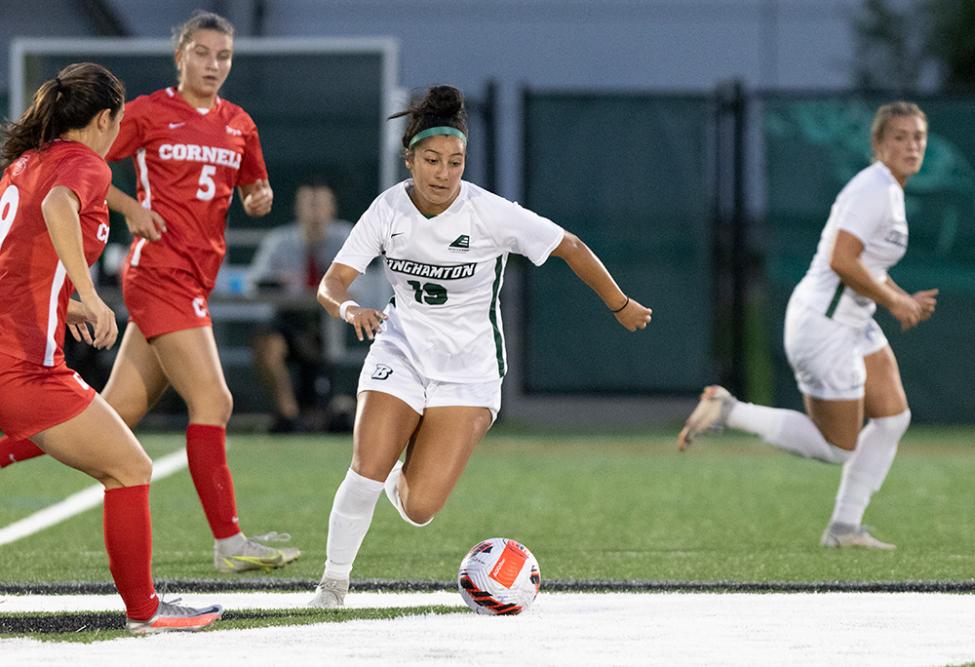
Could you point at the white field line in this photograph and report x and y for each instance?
(566, 629)
(80, 502)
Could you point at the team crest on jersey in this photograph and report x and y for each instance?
(19, 165)
(461, 244)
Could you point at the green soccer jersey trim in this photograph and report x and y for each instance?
(493, 315)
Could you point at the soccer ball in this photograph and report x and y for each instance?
(499, 577)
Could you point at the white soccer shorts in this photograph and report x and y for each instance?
(387, 369)
(826, 356)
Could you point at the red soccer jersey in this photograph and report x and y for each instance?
(34, 287)
(187, 165)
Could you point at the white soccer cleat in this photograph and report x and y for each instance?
(838, 536)
(253, 554)
(711, 413)
(330, 593)
(170, 617)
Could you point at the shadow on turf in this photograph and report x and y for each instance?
(556, 586)
(66, 625)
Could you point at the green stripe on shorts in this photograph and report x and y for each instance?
(836, 300)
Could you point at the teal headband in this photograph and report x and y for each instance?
(439, 130)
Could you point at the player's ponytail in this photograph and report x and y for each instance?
(67, 102)
(440, 110)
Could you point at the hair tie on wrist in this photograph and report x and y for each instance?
(625, 304)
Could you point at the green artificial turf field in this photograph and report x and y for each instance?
(590, 507)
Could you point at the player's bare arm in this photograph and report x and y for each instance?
(584, 262)
(60, 209)
(845, 261)
(333, 294)
(257, 198)
(927, 298)
(142, 222)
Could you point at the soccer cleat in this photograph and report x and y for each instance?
(253, 555)
(170, 617)
(839, 536)
(330, 593)
(711, 413)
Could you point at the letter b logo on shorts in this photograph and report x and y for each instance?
(382, 372)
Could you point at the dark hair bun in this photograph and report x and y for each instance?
(443, 101)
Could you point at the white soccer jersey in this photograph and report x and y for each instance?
(871, 207)
(446, 274)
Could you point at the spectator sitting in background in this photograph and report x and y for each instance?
(292, 259)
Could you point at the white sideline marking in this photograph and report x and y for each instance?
(81, 501)
(568, 629)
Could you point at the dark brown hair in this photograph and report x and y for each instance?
(67, 102)
(200, 20)
(442, 106)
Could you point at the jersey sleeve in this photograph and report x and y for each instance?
(863, 211)
(526, 233)
(252, 167)
(86, 175)
(365, 241)
(131, 132)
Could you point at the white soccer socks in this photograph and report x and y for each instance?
(392, 492)
(864, 473)
(788, 430)
(349, 521)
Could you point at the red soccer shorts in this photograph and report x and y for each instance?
(33, 398)
(164, 301)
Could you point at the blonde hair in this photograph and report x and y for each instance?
(896, 109)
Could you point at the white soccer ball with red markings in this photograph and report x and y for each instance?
(499, 577)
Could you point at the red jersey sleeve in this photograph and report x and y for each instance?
(252, 167)
(87, 175)
(130, 136)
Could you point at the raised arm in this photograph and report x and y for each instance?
(584, 262)
(60, 209)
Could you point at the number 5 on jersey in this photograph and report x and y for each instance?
(207, 187)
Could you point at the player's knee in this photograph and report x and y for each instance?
(226, 403)
(134, 469)
(420, 512)
(895, 425)
(843, 442)
(141, 469)
(212, 407)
